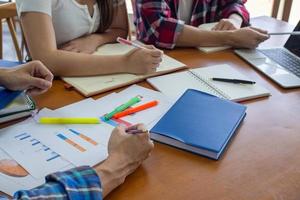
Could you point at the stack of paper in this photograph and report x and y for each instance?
(37, 150)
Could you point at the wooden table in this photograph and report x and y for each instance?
(261, 163)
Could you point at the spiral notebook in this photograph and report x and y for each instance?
(174, 85)
(21, 106)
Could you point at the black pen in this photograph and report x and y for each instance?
(228, 80)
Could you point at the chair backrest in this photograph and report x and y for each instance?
(287, 6)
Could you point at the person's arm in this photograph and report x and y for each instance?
(155, 25)
(241, 38)
(232, 23)
(126, 153)
(33, 77)
(77, 183)
(230, 7)
(39, 33)
(89, 44)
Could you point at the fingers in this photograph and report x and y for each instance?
(140, 127)
(219, 26)
(40, 83)
(259, 30)
(154, 51)
(42, 71)
(35, 91)
(224, 25)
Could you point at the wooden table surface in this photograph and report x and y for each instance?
(261, 163)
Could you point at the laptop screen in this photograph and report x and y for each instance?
(293, 43)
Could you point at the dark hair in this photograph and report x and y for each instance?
(107, 11)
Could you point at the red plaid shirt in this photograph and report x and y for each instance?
(157, 22)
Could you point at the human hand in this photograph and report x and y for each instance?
(33, 77)
(227, 25)
(127, 149)
(86, 44)
(248, 37)
(143, 61)
(132, 145)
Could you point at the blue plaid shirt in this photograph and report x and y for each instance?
(77, 183)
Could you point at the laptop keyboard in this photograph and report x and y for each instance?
(284, 59)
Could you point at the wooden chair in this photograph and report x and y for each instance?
(8, 11)
(287, 6)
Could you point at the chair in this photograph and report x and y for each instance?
(8, 11)
(287, 6)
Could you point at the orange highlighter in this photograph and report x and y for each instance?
(136, 109)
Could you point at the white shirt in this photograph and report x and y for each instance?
(70, 19)
(185, 10)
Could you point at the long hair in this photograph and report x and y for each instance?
(107, 11)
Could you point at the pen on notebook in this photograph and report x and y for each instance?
(136, 109)
(285, 33)
(123, 107)
(227, 80)
(65, 120)
(130, 43)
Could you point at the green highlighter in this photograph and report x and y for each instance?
(122, 107)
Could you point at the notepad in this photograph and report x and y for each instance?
(89, 86)
(208, 27)
(174, 85)
(200, 123)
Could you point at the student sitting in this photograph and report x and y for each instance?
(170, 23)
(64, 33)
(126, 151)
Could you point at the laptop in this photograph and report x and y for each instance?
(281, 64)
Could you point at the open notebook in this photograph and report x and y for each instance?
(92, 85)
(209, 26)
(174, 85)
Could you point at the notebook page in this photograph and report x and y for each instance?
(236, 92)
(209, 26)
(174, 85)
(167, 63)
(95, 84)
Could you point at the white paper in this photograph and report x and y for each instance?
(21, 143)
(79, 144)
(10, 183)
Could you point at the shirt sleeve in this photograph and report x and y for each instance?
(235, 7)
(77, 183)
(42, 6)
(155, 24)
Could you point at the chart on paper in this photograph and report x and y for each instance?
(21, 144)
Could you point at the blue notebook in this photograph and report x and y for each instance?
(200, 123)
(7, 96)
(14, 104)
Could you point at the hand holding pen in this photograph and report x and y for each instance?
(144, 59)
(137, 129)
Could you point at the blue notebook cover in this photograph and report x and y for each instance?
(7, 96)
(199, 122)
(6, 63)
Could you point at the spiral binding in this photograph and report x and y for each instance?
(213, 89)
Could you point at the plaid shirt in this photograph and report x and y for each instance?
(157, 21)
(78, 183)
